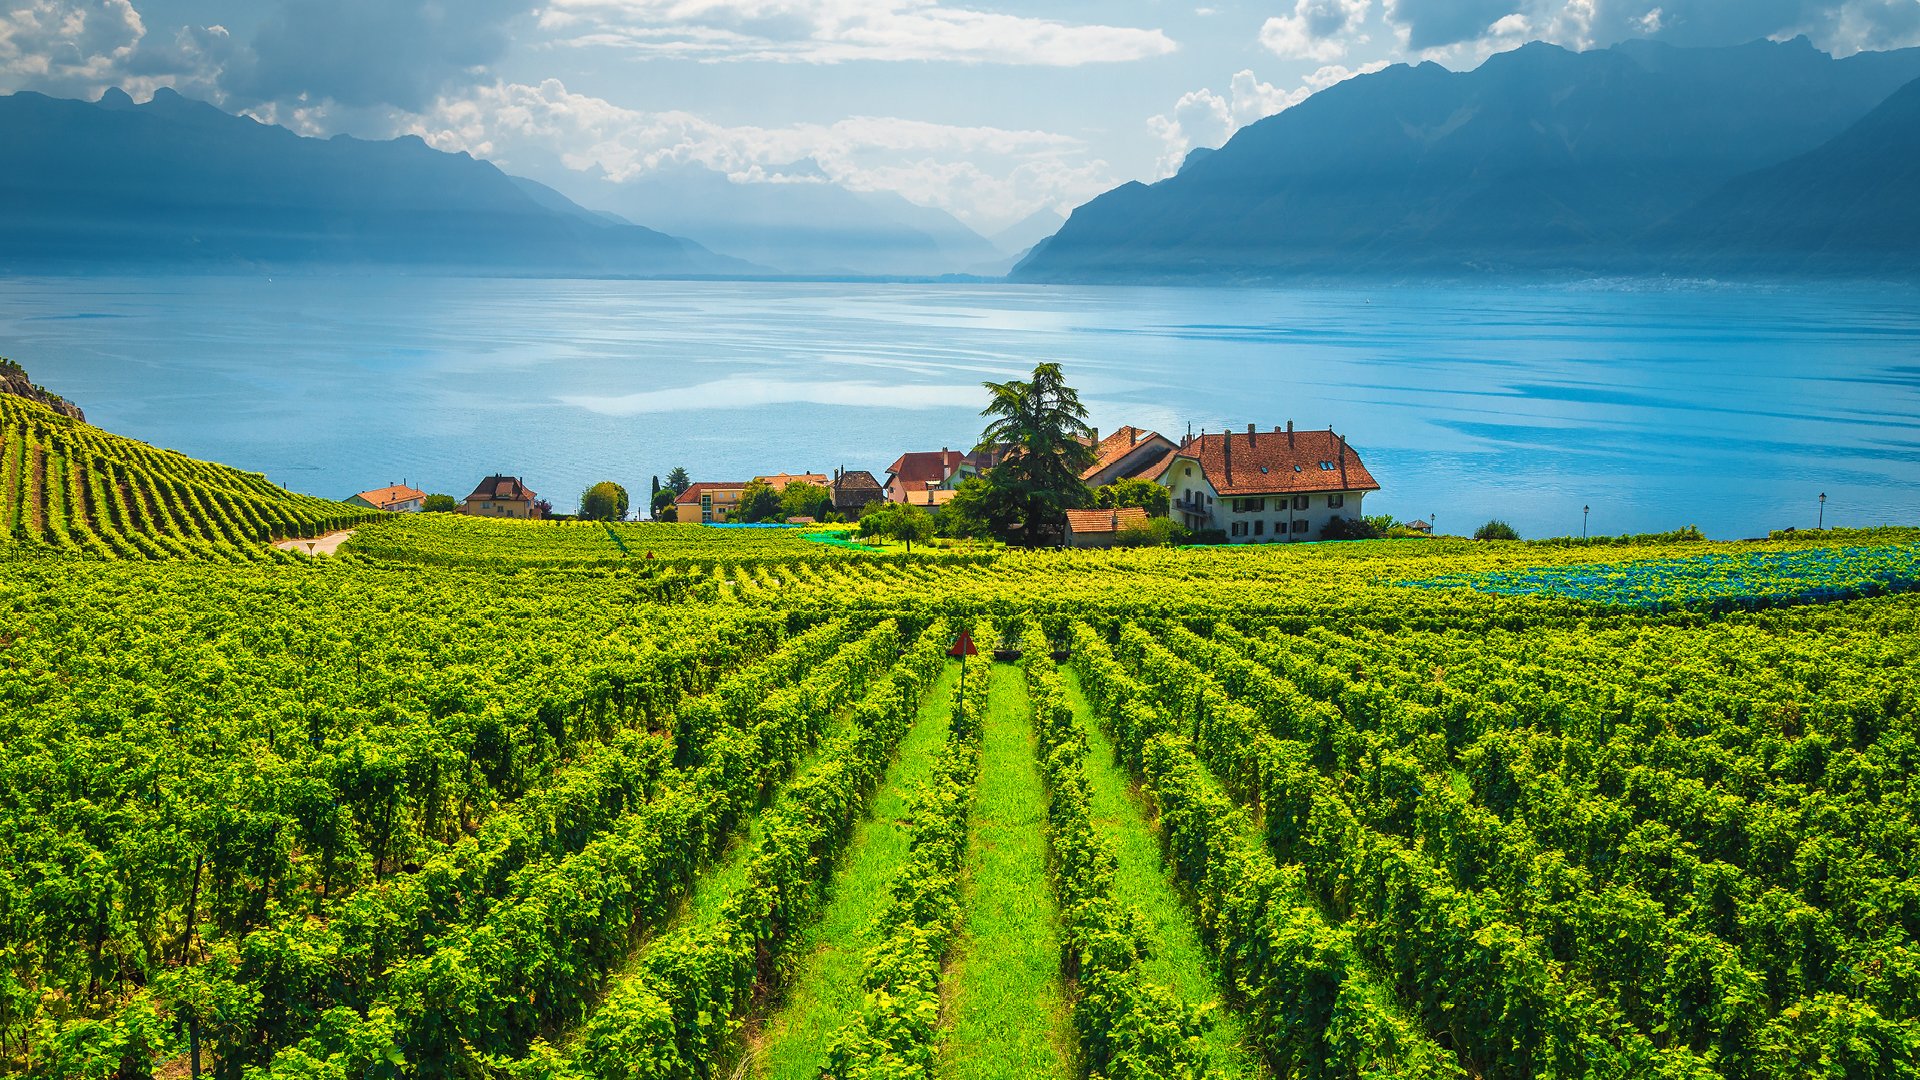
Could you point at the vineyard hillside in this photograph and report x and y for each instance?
(572, 801)
(67, 485)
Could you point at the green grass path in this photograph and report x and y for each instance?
(826, 986)
(1008, 1014)
(1180, 962)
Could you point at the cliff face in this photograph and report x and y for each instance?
(13, 380)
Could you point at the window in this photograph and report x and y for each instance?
(1239, 528)
(1300, 525)
(1336, 501)
(1259, 528)
(1299, 503)
(1249, 506)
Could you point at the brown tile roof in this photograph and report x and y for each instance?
(391, 495)
(692, 494)
(1111, 450)
(1271, 463)
(502, 489)
(1101, 521)
(857, 480)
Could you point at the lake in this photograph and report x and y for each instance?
(1730, 408)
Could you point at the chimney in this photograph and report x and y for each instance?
(1226, 443)
(1289, 434)
(1343, 457)
(1249, 436)
(1094, 434)
(1136, 438)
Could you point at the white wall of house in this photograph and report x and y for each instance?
(1255, 520)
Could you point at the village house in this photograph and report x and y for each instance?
(1100, 528)
(853, 490)
(918, 472)
(395, 498)
(1127, 453)
(502, 497)
(1256, 487)
(708, 503)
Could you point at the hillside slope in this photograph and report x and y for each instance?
(71, 486)
(1850, 204)
(114, 186)
(1538, 160)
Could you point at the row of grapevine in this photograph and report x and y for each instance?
(1313, 1008)
(895, 1033)
(1128, 1028)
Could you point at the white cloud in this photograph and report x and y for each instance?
(1321, 30)
(982, 174)
(67, 46)
(1204, 118)
(831, 31)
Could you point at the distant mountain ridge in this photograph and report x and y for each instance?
(115, 185)
(1540, 160)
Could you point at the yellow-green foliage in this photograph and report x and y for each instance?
(68, 485)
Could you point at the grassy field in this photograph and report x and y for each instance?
(826, 987)
(1007, 1016)
(1179, 961)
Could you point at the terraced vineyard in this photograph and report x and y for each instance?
(514, 800)
(74, 487)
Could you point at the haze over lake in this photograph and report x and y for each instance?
(1727, 407)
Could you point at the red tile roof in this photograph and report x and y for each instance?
(1271, 463)
(692, 494)
(1101, 521)
(502, 489)
(391, 495)
(921, 469)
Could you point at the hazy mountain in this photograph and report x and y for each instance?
(1539, 160)
(1851, 204)
(1028, 231)
(801, 224)
(113, 186)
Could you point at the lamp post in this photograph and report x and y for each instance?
(1584, 511)
(1823, 511)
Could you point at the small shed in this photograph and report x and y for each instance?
(1099, 528)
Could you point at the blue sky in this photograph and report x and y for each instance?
(990, 109)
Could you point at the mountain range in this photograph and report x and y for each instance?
(117, 186)
(1643, 158)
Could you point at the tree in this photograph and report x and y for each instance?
(678, 480)
(663, 502)
(966, 515)
(904, 522)
(669, 512)
(1346, 528)
(759, 502)
(1157, 532)
(1132, 491)
(1495, 530)
(543, 508)
(440, 504)
(802, 499)
(1042, 426)
(1383, 523)
(604, 501)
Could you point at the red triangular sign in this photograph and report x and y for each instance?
(963, 645)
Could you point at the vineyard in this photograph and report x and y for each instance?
(571, 802)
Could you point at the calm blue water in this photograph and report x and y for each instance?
(1727, 408)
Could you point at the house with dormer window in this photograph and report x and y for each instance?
(1264, 487)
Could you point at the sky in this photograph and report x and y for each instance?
(989, 109)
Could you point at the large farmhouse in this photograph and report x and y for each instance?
(1283, 485)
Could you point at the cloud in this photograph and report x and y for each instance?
(1204, 118)
(67, 47)
(366, 53)
(833, 31)
(1467, 30)
(1319, 30)
(980, 173)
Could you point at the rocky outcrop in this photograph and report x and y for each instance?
(13, 380)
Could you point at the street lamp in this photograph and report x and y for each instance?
(1584, 511)
(1823, 511)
